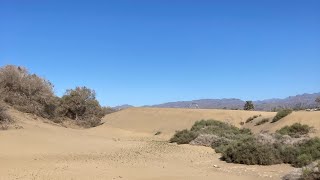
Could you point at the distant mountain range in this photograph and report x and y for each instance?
(302, 101)
(125, 106)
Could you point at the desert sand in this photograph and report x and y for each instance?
(125, 147)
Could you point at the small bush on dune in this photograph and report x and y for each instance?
(296, 130)
(281, 114)
(218, 128)
(183, 137)
(252, 118)
(263, 121)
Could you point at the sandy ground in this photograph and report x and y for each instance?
(125, 148)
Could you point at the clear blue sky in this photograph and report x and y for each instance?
(154, 51)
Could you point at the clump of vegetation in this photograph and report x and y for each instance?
(241, 146)
(249, 151)
(212, 127)
(80, 104)
(4, 117)
(262, 121)
(218, 128)
(281, 114)
(184, 137)
(252, 118)
(32, 94)
(312, 172)
(309, 172)
(248, 106)
(27, 92)
(296, 130)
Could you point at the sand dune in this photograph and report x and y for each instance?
(125, 147)
(168, 120)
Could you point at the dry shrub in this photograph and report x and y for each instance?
(5, 119)
(262, 121)
(80, 104)
(27, 92)
(4, 116)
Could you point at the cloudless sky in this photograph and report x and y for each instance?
(153, 51)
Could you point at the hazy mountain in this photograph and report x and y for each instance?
(295, 102)
(125, 106)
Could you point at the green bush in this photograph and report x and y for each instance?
(249, 151)
(184, 137)
(288, 153)
(218, 128)
(263, 121)
(303, 160)
(281, 114)
(296, 130)
(300, 154)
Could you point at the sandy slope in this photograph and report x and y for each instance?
(124, 148)
(166, 120)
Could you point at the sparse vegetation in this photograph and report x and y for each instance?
(183, 137)
(248, 106)
(281, 114)
(296, 130)
(33, 94)
(262, 121)
(241, 146)
(252, 118)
